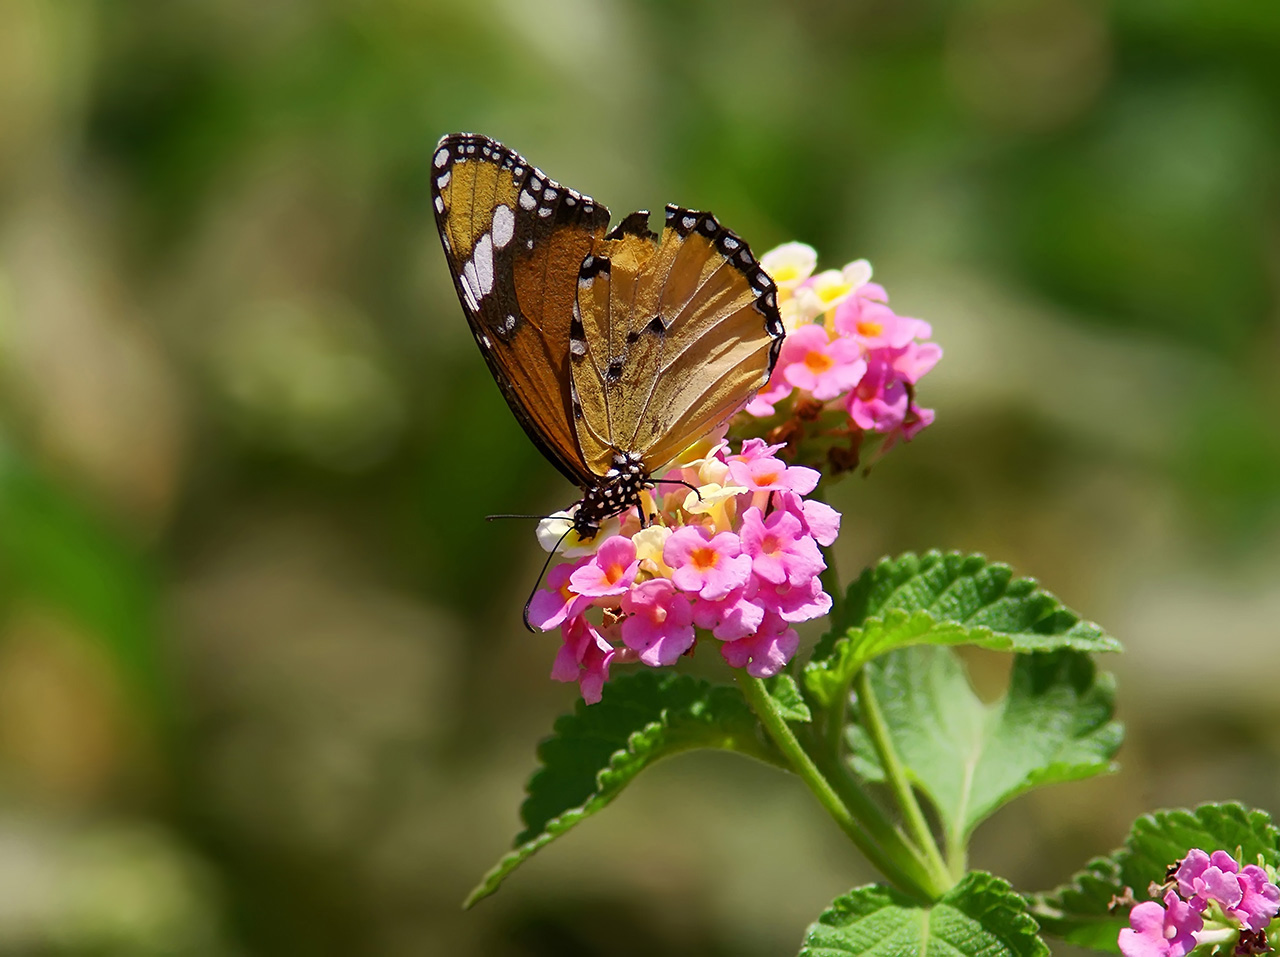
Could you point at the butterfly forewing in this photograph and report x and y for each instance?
(688, 329)
(515, 240)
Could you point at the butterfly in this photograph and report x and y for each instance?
(616, 349)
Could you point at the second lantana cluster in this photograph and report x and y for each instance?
(1210, 902)
(729, 546)
(846, 350)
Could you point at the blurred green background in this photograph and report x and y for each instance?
(263, 684)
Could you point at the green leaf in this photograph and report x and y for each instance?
(828, 680)
(979, 917)
(786, 694)
(1078, 911)
(981, 601)
(599, 749)
(1054, 724)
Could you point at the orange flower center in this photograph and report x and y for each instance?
(614, 573)
(818, 362)
(705, 558)
(869, 329)
(769, 545)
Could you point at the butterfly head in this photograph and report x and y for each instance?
(618, 489)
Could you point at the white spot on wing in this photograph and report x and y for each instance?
(442, 157)
(439, 205)
(526, 200)
(483, 260)
(468, 277)
(504, 226)
(443, 179)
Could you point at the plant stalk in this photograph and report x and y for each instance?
(895, 774)
(882, 844)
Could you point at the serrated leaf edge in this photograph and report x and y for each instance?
(644, 746)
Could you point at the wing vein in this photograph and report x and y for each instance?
(659, 367)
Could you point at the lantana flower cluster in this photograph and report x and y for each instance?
(1210, 902)
(729, 548)
(845, 350)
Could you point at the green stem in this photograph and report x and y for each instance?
(850, 789)
(895, 774)
(836, 720)
(883, 845)
(957, 855)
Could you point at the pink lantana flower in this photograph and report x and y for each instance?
(879, 402)
(781, 553)
(763, 403)
(659, 622)
(823, 367)
(1260, 901)
(773, 475)
(794, 603)
(1203, 878)
(550, 606)
(610, 572)
(709, 566)
(732, 617)
(1244, 895)
(752, 450)
(819, 520)
(915, 360)
(1156, 931)
(766, 652)
(873, 325)
(584, 657)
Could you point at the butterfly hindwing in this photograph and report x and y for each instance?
(677, 334)
(515, 240)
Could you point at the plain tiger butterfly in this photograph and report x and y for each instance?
(616, 350)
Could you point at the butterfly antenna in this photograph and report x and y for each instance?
(545, 565)
(490, 518)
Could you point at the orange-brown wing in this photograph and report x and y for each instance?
(515, 241)
(676, 336)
